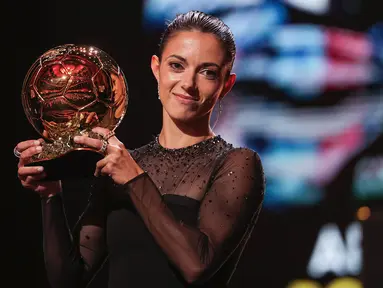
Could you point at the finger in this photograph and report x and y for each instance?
(104, 132)
(26, 144)
(88, 141)
(100, 165)
(101, 130)
(29, 170)
(28, 185)
(97, 172)
(29, 152)
(106, 170)
(113, 141)
(33, 180)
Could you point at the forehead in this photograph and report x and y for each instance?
(195, 46)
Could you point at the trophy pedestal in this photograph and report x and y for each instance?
(74, 164)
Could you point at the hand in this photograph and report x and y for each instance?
(32, 177)
(117, 163)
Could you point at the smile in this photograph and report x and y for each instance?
(186, 98)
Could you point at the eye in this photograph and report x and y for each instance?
(176, 66)
(210, 74)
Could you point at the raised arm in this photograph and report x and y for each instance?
(227, 214)
(70, 259)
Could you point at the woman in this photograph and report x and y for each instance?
(176, 212)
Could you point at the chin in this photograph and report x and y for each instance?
(182, 117)
(183, 113)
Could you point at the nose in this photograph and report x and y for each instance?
(189, 82)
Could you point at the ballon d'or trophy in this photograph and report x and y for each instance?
(68, 91)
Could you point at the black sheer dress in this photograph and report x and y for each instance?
(182, 223)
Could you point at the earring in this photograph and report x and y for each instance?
(220, 108)
(158, 92)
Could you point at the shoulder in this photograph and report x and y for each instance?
(241, 168)
(241, 159)
(241, 156)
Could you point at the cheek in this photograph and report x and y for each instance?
(174, 77)
(211, 90)
(168, 79)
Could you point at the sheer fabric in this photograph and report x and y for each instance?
(182, 223)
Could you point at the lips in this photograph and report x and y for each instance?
(186, 97)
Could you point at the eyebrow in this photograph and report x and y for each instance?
(207, 64)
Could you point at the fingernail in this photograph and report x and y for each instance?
(39, 169)
(36, 142)
(39, 148)
(76, 138)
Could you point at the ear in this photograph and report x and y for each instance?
(155, 65)
(228, 85)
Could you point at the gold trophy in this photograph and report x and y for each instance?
(69, 90)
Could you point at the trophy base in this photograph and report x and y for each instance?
(74, 164)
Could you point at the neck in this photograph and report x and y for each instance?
(177, 134)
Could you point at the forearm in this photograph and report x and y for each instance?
(187, 247)
(63, 263)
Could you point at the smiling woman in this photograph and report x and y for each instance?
(176, 212)
(193, 70)
(194, 79)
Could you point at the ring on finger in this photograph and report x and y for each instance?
(104, 146)
(109, 135)
(16, 152)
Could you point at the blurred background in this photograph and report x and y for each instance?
(308, 99)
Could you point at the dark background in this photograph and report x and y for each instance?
(279, 242)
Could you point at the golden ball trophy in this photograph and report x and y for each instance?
(69, 90)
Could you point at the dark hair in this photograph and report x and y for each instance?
(199, 21)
